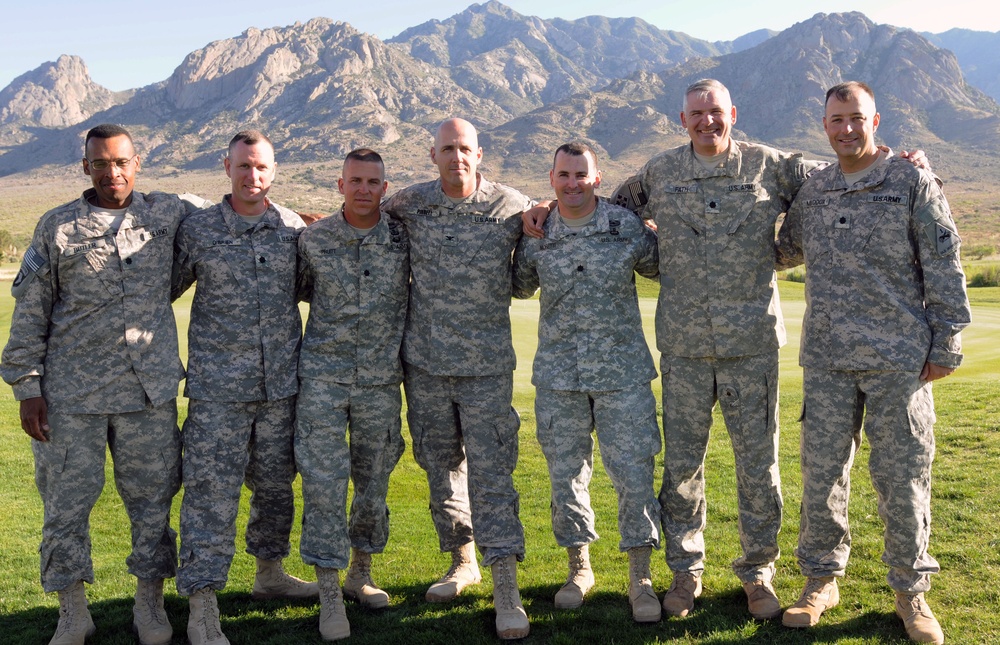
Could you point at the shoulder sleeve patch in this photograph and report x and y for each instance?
(32, 263)
(630, 195)
(946, 240)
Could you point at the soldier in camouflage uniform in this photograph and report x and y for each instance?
(592, 371)
(458, 362)
(886, 303)
(718, 328)
(354, 271)
(92, 358)
(243, 345)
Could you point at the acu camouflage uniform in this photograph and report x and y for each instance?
(718, 328)
(885, 293)
(243, 345)
(349, 375)
(593, 368)
(458, 360)
(94, 335)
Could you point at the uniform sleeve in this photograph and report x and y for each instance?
(794, 172)
(946, 303)
(525, 274)
(788, 247)
(648, 262)
(304, 280)
(23, 362)
(182, 275)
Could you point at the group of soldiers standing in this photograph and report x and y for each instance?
(415, 289)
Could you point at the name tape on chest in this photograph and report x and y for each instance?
(153, 234)
(77, 249)
(898, 200)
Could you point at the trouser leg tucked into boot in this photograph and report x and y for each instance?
(358, 584)
(512, 620)
(645, 605)
(272, 582)
(203, 621)
(75, 623)
(333, 623)
(464, 571)
(149, 619)
(580, 580)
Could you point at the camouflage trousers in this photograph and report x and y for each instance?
(897, 411)
(625, 423)
(325, 411)
(746, 390)
(227, 444)
(69, 472)
(464, 434)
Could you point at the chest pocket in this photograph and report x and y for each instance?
(89, 270)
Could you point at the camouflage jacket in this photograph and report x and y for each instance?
(590, 329)
(92, 330)
(884, 285)
(243, 340)
(460, 263)
(357, 290)
(718, 292)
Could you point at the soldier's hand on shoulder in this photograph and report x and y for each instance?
(533, 219)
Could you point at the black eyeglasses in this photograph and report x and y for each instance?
(104, 164)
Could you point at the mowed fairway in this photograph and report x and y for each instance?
(966, 535)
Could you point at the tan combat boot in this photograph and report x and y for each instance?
(580, 580)
(149, 619)
(818, 595)
(464, 571)
(75, 624)
(921, 625)
(272, 582)
(762, 601)
(645, 605)
(358, 584)
(679, 599)
(333, 624)
(203, 619)
(512, 620)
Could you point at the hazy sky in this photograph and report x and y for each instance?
(127, 45)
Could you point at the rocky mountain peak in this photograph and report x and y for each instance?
(54, 95)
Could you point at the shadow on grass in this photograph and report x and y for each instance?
(604, 618)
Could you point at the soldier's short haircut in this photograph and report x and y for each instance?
(107, 131)
(249, 137)
(703, 86)
(575, 148)
(365, 154)
(843, 91)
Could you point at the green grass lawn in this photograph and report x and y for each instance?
(966, 537)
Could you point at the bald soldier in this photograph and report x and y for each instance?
(885, 306)
(458, 362)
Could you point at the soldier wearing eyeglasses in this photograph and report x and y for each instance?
(92, 357)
